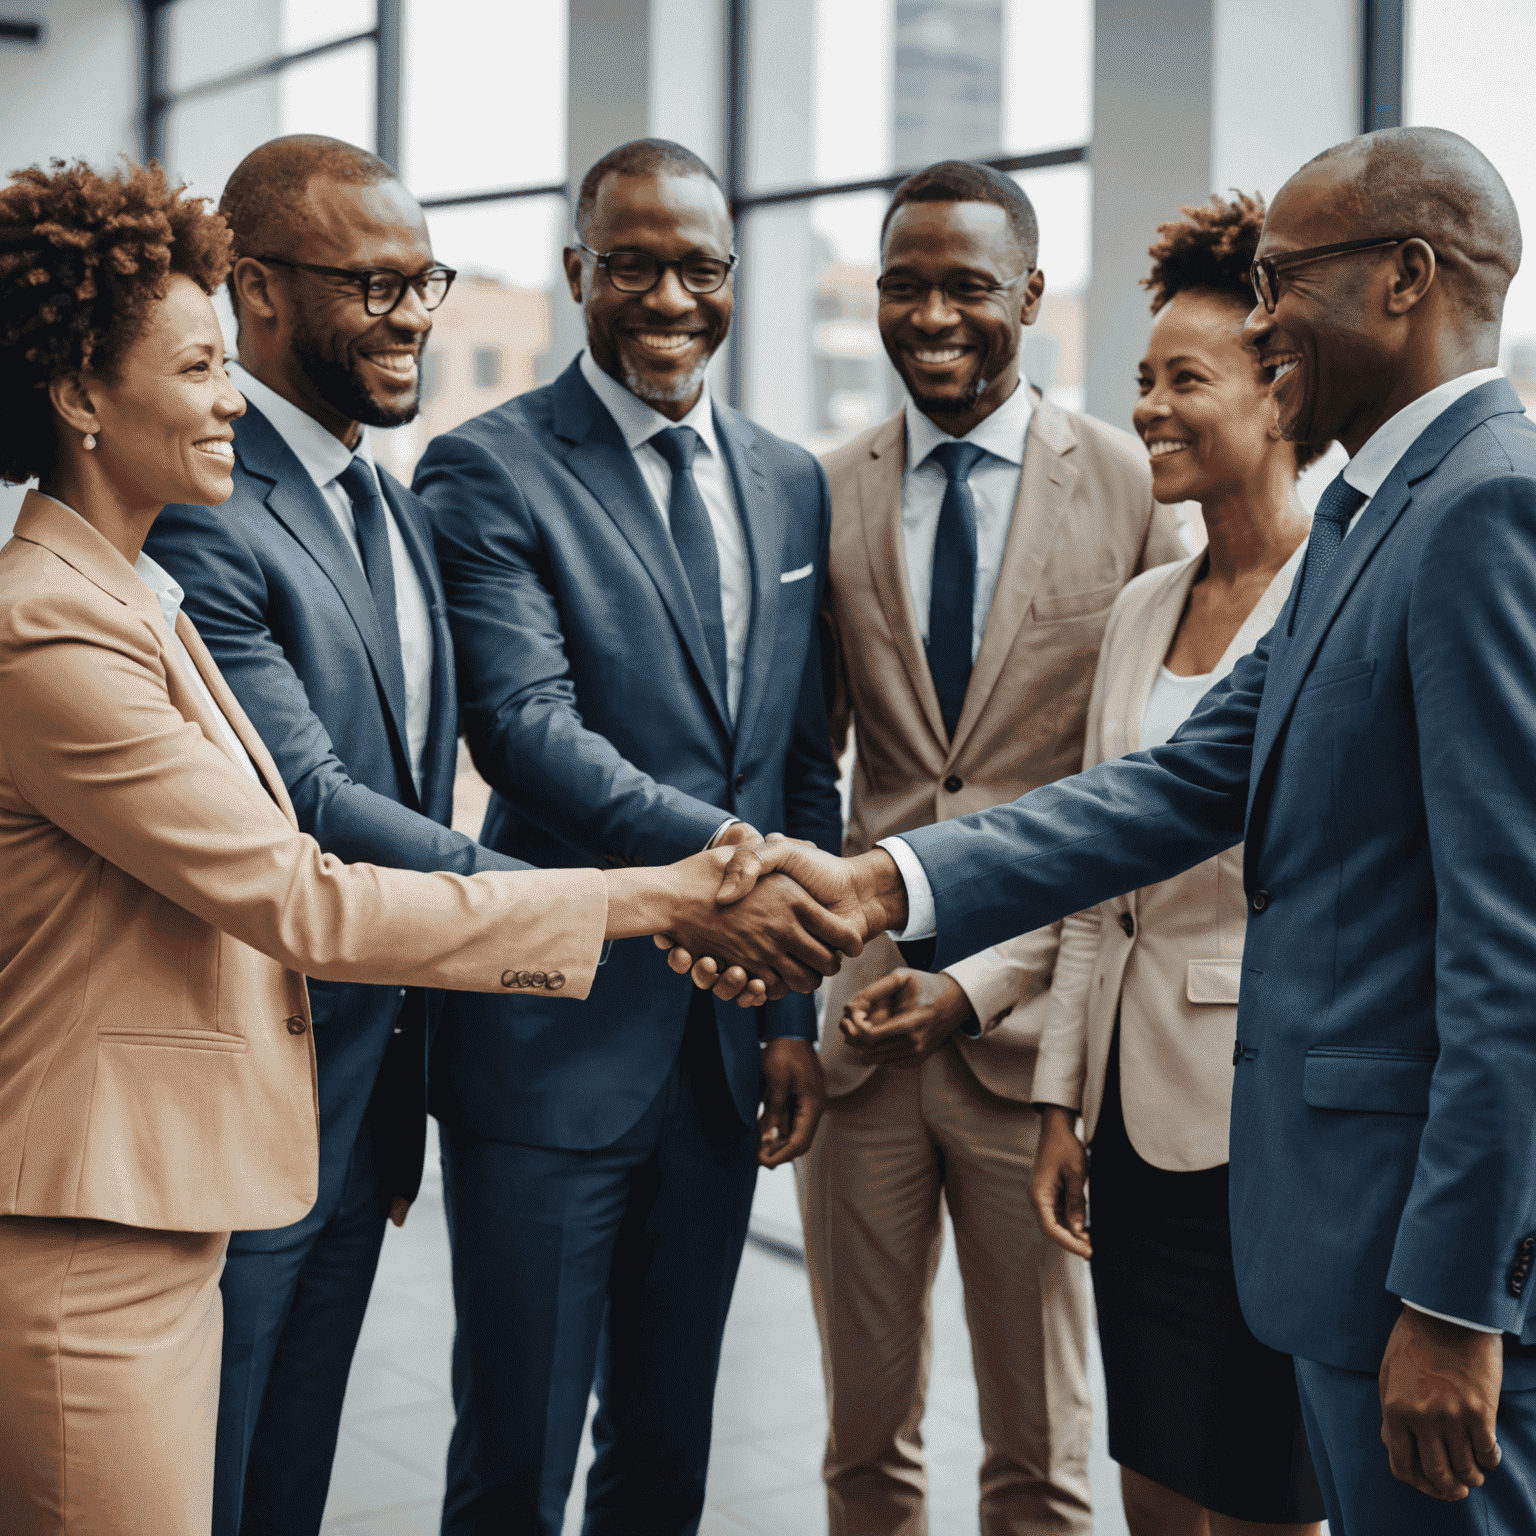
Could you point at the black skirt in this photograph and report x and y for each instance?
(1196, 1403)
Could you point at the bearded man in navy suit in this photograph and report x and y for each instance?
(633, 576)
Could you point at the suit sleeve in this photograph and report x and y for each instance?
(226, 600)
(1472, 660)
(519, 703)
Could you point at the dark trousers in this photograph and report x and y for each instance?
(612, 1267)
(1343, 1416)
(294, 1301)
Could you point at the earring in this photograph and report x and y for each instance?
(90, 441)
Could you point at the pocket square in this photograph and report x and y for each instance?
(800, 575)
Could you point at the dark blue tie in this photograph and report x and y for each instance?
(694, 536)
(371, 521)
(1330, 522)
(952, 597)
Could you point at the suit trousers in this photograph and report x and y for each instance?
(109, 1359)
(294, 1300)
(615, 1264)
(887, 1158)
(1342, 1410)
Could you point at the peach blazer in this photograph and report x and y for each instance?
(1083, 525)
(1169, 956)
(160, 911)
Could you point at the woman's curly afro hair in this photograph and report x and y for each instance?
(82, 258)
(1210, 251)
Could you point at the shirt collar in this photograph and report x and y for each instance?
(1369, 468)
(638, 421)
(323, 455)
(1002, 433)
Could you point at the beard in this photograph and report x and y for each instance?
(953, 405)
(670, 392)
(341, 387)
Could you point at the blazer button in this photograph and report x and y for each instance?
(509, 978)
(296, 1025)
(555, 980)
(741, 781)
(1128, 924)
(953, 786)
(1260, 900)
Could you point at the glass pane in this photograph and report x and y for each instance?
(1047, 74)
(207, 137)
(307, 23)
(494, 326)
(465, 127)
(333, 94)
(1053, 346)
(206, 39)
(1484, 94)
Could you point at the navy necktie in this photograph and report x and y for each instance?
(952, 597)
(694, 536)
(1330, 522)
(370, 518)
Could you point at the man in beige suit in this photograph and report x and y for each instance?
(978, 540)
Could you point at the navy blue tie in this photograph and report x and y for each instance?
(371, 520)
(1330, 522)
(952, 597)
(694, 536)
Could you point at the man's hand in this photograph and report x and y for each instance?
(868, 890)
(905, 1017)
(794, 1096)
(399, 1209)
(1439, 1397)
(1061, 1175)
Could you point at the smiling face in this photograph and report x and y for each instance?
(959, 361)
(1205, 410)
(162, 422)
(656, 344)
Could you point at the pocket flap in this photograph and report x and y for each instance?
(1213, 981)
(1073, 605)
(1386, 1082)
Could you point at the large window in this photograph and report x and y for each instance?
(893, 85)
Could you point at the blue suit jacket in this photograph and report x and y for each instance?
(1380, 763)
(283, 606)
(589, 708)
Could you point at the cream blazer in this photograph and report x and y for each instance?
(1168, 957)
(1084, 524)
(159, 911)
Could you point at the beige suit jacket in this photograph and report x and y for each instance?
(158, 913)
(1083, 525)
(1167, 957)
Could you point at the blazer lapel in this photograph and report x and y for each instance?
(1156, 636)
(601, 460)
(1045, 487)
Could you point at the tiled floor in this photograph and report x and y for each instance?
(769, 1419)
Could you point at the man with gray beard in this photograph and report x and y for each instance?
(633, 576)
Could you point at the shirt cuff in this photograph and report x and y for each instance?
(1445, 1317)
(714, 842)
(921, 920)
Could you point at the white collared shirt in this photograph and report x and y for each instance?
(325, 458)
(994, 486)
(639, 423)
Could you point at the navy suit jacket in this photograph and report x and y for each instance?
(590, 708)
(283, 606)
(1380, 764)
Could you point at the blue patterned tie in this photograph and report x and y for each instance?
(1338, 503)
(952, 597)
(694, 536)
(371, 520)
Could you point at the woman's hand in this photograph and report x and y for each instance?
(902, 1019)
(1058, 1189)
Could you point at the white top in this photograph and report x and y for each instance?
(325, 458)
(640, 423)
(994, 486)
(1170, 703)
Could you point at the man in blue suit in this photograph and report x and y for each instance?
(633, 575)
(316, 590)
(1374, 755)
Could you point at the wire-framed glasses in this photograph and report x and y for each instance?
(1265, 272)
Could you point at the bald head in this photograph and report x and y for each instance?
(1432, 183)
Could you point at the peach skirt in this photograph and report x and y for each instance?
(109, 1378)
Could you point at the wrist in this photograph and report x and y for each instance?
(642, 901)
(881, 892)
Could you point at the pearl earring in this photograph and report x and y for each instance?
(90, 441)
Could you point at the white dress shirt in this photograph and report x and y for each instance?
(640, 423)
(325, 458)
(1170, 703)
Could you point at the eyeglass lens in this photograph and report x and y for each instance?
(635, 272)
(908, 290)
(384, 290)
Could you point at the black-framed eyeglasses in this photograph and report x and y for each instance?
(639, 271)
(1265, 272)
(962, 292)
(382, 287)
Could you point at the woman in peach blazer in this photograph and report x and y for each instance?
(161, 909)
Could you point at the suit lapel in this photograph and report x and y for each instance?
(1045, 487)
(1156, 636)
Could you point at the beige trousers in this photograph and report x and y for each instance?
(870, 1197)
(109, 1378)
